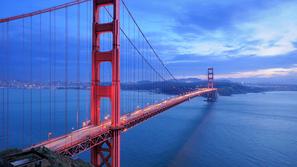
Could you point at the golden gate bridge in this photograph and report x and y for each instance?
(83, 62)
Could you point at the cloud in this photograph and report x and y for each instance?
(204, 48)
(234, 29)
(182, 61)
(261, 73)
(275, 33)
(215, 15)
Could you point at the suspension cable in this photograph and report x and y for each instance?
(132, 17)
(138, 51)
(65, 5)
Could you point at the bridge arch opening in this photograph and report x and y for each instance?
(105, 109)
(105, 74)
(105, 14)
(106, 42)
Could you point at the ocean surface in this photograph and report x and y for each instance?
(247, 130)
(242, 130)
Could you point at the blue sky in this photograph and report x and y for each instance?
(244, 40)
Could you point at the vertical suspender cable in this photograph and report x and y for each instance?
(133, 68)
(31, 93)
(4, 85)
(123, 62)
(138, 73)
(143, 75)
(88, 54)
(23, 89)
(127, 56)
(78, 67)
(40, 75)
(50, 72)
(130, 58)
(8, 86)
(5, 82)
(54, 71)
(2, 96)
(66, 70)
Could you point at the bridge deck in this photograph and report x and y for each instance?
(89, 136)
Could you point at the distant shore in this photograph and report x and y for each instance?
(171, 87)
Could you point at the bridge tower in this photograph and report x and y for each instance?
(108, 153)
(211, 97)
(210, 77)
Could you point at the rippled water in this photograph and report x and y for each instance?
(242, 130)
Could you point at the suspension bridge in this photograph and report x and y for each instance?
(76, 76)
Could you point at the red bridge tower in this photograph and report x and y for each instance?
(108, 153)
(211, 97)
(210, 77)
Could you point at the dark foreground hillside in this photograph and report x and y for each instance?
(40, 156)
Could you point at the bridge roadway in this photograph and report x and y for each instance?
(89, 136)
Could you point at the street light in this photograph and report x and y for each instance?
(49, 135)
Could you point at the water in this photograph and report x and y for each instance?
(242, 130)
(30, 116)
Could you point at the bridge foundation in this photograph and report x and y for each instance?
(107, 153)
(212, 97)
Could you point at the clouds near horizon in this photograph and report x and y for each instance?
(199, 33)
(260, 73)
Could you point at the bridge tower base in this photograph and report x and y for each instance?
(107, 153)
(212, 97)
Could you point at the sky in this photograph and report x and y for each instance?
(244, 40)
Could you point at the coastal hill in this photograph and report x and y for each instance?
(225, 87)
